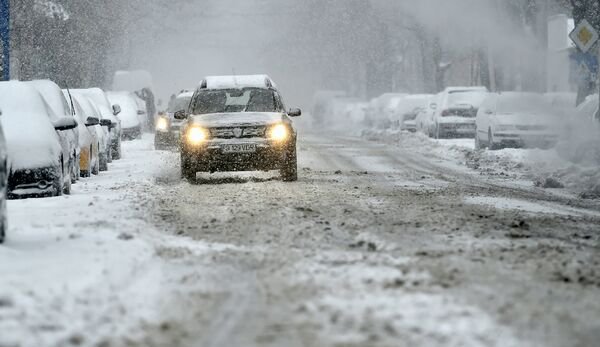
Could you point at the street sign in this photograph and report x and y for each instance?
(4, 40)
(584, 36)
(587, 60)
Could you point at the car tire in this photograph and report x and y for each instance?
(116, 154)
(289, 169)
(96, 166)
(478, 145)
(68, 183)
(109, 155)
(491, 145)
(59, 181)
(188, 171)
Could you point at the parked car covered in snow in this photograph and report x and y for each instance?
(514, 119)
(109, 112)
(424, 118)
(131, 120)
(39, 164)
(455, 111)
(583, 133)
(381, 109)
(238, 123)
(320, 105)
(405, 111)
(54, 97)
(168, 129)
(89, 142)
(102, 130)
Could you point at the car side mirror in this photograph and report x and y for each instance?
(116, 109)
(295, 112)
(105, 122)
(180, 115)
(65, 123)
(92, 121)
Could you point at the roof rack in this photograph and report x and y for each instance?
(233, 82)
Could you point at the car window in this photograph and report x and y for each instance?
(179, 104)
(235, 100)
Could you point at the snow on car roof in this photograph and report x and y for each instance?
(466, 89)
(53, 95)
(98, 97)
(235, 82)
(128, 116)
(30, 136)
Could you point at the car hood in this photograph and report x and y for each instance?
(216, 120)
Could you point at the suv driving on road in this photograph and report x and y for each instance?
(238, 123)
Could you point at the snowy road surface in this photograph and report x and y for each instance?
(376, 245)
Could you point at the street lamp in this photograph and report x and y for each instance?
(4, 40)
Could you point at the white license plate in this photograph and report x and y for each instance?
(241, 148)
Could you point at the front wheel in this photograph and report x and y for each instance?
(289, 169)
(68, 183)
(188, 171)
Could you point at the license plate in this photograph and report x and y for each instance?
(241, 148)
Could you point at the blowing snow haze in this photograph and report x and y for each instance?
(286, 173)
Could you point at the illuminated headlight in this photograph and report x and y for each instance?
(505, 127)
(162, 124)
(279, 132)
(197, 135)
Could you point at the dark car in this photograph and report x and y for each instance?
(38, 163)
(168, 129)
(238, 123)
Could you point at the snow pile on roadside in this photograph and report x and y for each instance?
(82, 269)
(454, 149)
(547, 168)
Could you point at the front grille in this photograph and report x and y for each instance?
(531, 127)
(21, 179)
(241, 132)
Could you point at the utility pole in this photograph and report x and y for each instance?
(5, 40)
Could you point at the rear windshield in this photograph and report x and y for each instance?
(235, 100)
(471, 98)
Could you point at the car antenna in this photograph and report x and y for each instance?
(234, 77)
(70, 99)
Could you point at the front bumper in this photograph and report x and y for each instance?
(210, 157)
(457, 129)
(30, 183)
(526, 140)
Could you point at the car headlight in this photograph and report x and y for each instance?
(505, 127)
(162, 124)
(279, 132)
(197, 135)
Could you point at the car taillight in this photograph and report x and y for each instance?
(445, 113)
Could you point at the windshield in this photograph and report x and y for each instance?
(533, 104)
(473, 98)
(235, 100)
(179, 104)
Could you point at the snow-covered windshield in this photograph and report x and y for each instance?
(179, 104)
(235, 100)
(467, 97)
(523, 104)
